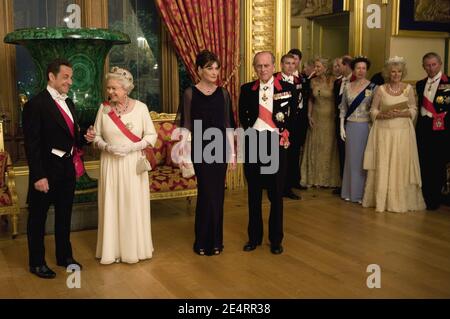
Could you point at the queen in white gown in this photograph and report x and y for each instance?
(124, 231)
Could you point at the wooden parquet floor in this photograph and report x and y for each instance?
(328, 243)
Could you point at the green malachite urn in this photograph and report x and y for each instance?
(86, 49)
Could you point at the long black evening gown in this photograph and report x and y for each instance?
(214, 111)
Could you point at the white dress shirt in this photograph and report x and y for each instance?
(287, 78)
(265, 90)
(61, 100)
(429, 94)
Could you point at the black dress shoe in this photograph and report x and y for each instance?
(249, 246)
(337, 191)
(276, 250)
(291, 195)
(200, 251)
(43, 272)
(69, 261)
(432, 206)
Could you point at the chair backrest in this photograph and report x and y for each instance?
(164, 125)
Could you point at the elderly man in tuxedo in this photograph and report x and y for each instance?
(433, 129)
(264, 110)
(52, 144)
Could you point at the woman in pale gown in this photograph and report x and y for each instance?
(124, 233)
(320, 163)
(393, 180)
(354, 129)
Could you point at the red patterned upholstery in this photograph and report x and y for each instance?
(166, 179)
(169, 147)
(3, 164)
(159, 149)
(5, 198)
(9, 203)
(149, 153)
(164, 130)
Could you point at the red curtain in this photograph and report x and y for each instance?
(195, 25)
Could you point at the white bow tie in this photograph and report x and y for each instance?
(289, 78)
(61, 97)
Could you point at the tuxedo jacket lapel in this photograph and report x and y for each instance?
(254, 97)
(56, 114)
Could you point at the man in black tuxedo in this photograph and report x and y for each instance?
(338, 89)
(52, 136)
(302, 84)
(433, 129)
(264, 109)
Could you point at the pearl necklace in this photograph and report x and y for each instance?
(394, 91)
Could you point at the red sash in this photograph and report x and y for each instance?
(438, 118)
(266, 116)
(77, 153)
(123, 128)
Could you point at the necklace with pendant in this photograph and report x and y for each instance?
(124, 110)
(205, 90)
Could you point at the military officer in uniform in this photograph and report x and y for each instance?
(433, 129)
(264, 109)
(293, 157)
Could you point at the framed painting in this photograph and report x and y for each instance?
(312, 8)
(421, 18)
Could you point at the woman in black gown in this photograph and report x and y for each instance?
(210, 104)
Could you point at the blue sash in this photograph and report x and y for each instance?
(357, 101)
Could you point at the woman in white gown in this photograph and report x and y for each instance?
(123, 129)
(393, 180)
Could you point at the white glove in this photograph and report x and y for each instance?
(139, 146)
(342, 129)
(100, 144)
(119, 150)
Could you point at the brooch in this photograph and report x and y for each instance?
(368, 92)
(106, 109)
(440, 99)
(129, 126)
(280, 116)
